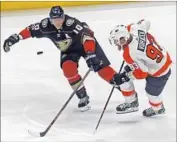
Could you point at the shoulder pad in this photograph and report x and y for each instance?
(46, 26)
(70, 22)
(44, 22)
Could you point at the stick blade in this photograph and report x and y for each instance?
(35, 134)
(94, 132)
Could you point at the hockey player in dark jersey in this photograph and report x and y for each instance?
(74, 39)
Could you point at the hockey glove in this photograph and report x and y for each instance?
(10, 41)
(119, 79)
(93, 61)
(127, 69)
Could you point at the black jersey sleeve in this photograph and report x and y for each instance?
(79, 29)
(41, 29)
(87, 33)
(35, 30)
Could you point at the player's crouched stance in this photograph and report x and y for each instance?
(146, 59)
(74, 39)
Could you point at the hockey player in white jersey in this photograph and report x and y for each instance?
(145, 59)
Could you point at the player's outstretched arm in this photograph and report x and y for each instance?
(144, 24)
(14, 38)
(33, 30)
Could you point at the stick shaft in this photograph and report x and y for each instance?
(108, 100)
(64, 106)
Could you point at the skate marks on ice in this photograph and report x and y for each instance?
(40, 112)
(72, 123)
(40, 108)
(80, 125)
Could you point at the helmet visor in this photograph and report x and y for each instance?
(61, 16)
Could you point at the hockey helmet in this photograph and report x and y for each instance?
(56, 12)
(119, 36)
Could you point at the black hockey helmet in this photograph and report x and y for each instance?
(56, 12)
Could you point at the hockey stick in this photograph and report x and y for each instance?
(108, 101)
(41, 134)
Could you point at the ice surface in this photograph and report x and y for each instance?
(34, 88)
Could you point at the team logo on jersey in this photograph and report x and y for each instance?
(35, 27)
(142, 40)
(69, 22)
(63, 45)
(44, 23)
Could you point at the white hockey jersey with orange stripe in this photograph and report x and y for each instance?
(144, 55)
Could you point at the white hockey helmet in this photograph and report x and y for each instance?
(119, 36)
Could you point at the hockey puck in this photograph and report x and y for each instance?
(39, 52)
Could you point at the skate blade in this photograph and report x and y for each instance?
(85, 108)
(127, 111)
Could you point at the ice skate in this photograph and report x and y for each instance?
(128, 107)
(83, 104)
(151, 112)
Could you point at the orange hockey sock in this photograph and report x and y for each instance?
(71, 73)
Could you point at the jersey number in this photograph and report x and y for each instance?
(154, 51)
(78, 29)
(35, 27)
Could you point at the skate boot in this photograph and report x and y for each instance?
(83, 104)
(128, 107)
(151, 112)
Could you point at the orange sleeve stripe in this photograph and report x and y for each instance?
(138, 73)
(89, 45)
(127, 93)
(155, 104)
(164, 67)
(25, 33)
(126, 55)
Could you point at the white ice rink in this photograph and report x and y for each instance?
(34, 88)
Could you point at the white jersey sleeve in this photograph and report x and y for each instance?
(143, 25)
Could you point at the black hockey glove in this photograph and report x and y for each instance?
(127, 69)
(10, 41)
(119, 79)
(93, 61)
